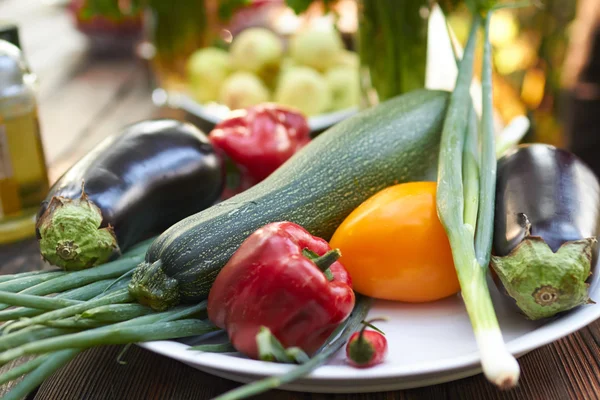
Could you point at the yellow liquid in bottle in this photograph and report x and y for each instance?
(23, 175)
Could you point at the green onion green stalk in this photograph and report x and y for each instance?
(28, 335)
(19, 283)
(111, 335)
(470, 170)
(43, 366)
(120, 296)
(77, 279)
(47, 366)
(83, 293)
(21, 369)
(12, 277)
(215, 348)
(487, 177)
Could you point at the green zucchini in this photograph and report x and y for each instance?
(393, 142)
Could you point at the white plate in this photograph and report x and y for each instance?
(215, 113)
(428, 344)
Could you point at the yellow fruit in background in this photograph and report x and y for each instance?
(255, 49)
(304, 89)
(316, 48)
(344, 87)
(243, 89)
(287, 63)
(207, 69)
(504, 28)
(347, 58)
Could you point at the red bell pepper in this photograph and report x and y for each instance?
(261, 138)
(276, 280)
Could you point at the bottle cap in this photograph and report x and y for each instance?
(12, 70)
(9, 31)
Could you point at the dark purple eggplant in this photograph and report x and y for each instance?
(546, 225)
(130, 187)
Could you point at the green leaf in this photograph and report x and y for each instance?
(269, 348)
(299, 6)
(228, 7)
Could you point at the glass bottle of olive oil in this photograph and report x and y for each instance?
(23, 175)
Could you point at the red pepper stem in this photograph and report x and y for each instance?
(369, 324)
(325, 261)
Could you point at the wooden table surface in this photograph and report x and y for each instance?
(84, 98)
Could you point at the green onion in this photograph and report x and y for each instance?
(174, 314)
(76, 323)
(487, 178)
(34, 305)
(10, 277)
(71, 280)
(112, 335)
(120, 296)
(215, 348)
(499, 366)
(42, 303)
(53, 361)
(116, 312)
(20, 283)
(83, 293)
(33, 333)
(86, 292)
(50, 364)
(332, 344)
(29, 335)
(470, 170)
(21, 369)
(80, 278)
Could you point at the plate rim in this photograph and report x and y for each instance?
(551, 331)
